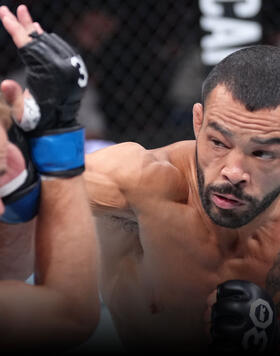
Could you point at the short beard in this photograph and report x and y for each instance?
(230, 218)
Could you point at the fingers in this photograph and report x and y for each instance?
(25, 19)
(14, 96)
(38, 28)
(14, 27)
(19, 27)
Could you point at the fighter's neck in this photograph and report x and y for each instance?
(260, 231)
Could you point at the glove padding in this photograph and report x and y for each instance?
(244, 319)
(21, 195)
(56, 77)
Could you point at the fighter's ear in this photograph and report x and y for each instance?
(197, 118)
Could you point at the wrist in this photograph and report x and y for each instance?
(59, 153)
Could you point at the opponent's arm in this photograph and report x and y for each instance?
(62, 309)
(19, 194)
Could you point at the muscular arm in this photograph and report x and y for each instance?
(17, 250)
(110, 175)
(123, 178)
(62, 309)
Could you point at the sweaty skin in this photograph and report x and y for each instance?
(161, 256)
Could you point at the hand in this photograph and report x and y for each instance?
(20, 26)
(243, 319)
(56, 78)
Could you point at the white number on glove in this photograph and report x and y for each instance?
(77, 62)
(261, 315)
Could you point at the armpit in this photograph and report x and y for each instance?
(126, 224)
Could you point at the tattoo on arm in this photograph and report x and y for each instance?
(273, 282)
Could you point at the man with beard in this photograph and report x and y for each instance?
(174, 223)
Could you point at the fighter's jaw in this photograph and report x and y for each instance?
(231, 218)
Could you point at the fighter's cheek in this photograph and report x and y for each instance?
(212, 174)
(15, 164)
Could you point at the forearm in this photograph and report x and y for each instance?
(17, 250)
(66, 249)
(36, 317)
(62, 309)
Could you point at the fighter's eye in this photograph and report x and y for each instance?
(264, 154)
(217, 143)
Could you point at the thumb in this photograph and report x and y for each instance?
(13, 94)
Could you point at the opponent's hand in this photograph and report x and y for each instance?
(56, 74)
(20, 26)
(243, 319)
(24, 111)
(56, 78)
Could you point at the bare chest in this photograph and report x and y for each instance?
(167, 268)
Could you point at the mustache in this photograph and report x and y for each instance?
(229, 189)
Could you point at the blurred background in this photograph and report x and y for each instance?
(146, 59)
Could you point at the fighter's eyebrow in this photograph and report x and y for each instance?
(266, 141)
(214, 125)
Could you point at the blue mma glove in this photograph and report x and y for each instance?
(56, 77)
(21, 195)
(244, 319)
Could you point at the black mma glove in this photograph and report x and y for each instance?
(244, 319)
(56, 77)
(21, 195)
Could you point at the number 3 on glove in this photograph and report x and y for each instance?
(56, 77)
(77, 62)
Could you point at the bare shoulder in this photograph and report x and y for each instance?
(135, 169)
(110, 174)
(131, 155)
(178, 159)
(181, 154)
(121, 162)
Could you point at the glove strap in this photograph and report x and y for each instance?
(22, 206)
(59, 152)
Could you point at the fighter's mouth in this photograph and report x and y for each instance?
(226, 201)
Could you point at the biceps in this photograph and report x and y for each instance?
(104, 195)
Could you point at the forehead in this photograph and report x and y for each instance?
(221, 107)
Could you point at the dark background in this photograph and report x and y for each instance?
(143, 58)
